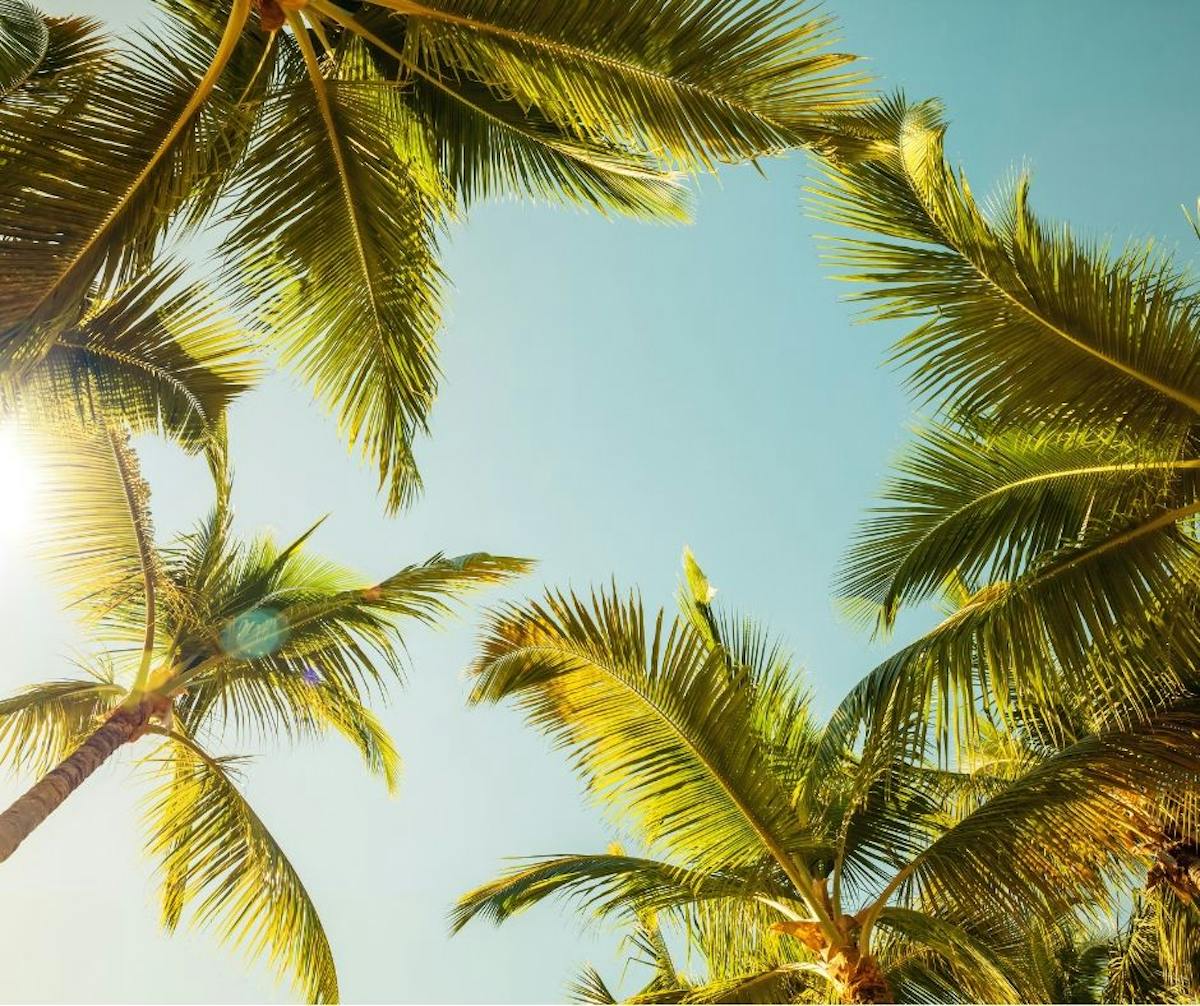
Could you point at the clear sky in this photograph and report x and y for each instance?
(612, 391)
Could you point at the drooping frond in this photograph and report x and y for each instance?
(692, 81)
(95, 528)
(155, 355)
(656, 725)
(220, 861)
(336, 244)
(24, 41)
(1017, 320)
(42, 724)
(602, 885)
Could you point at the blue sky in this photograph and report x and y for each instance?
(612, 391)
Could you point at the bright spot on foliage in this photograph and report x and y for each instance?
(257, 633)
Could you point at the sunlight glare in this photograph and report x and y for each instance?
(18, 489)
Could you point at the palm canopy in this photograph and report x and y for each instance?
(342, 138)
(216, 641)
(1056, 490)
(844, 872)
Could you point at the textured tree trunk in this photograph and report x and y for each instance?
(22, 817)
(859, 976)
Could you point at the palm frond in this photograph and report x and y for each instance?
(154, 354)
(655, 724)
(693, 81)
(602, 885)
(335, 247)
(24, 41)
(219, 859)
(42, 724)
(99, 160)
(1017, 320)
(987, 505)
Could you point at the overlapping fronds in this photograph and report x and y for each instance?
(693, 81)
(220, 861)
(336, 245)
(1018, 321)
(654, 721)
(99, 159)
(989, 505)
(24, 41)
(42, 724)
(154, 355)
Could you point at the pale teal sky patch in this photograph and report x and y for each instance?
(612, 392)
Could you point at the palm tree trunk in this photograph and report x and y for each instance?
(23, 816)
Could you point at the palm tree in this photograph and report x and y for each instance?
(801, 869)
(1056, 491)
(336, 139)
(205, 641)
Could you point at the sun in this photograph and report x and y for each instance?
(18, 488)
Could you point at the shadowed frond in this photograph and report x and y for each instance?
(24, 41)
(156, 355)
(219, 859)
(694, 81)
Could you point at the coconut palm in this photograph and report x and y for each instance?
(204, 643)
(1056, 490)
(853, 874)
(337, 139)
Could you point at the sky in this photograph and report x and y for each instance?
(612, 392)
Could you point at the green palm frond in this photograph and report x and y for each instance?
(487, 145)
(656, 725)
(988, 504)
(24, 41)
(156, 355)
(602, 885)
(219, 859)
(336, 241)
(136, 129)
(42, 724)
(95, 528)
(590, 987)
(1017, 320)
(977, 971)
(694, 81)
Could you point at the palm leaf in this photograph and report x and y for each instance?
(1018, 320)
(219, 858)
(655, 723)
(24, 41)
(42, 724)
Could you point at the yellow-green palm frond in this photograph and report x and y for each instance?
(42, 724)
(589, 987)
(95, 528)
(692, 81)
(1017, 320)
(488, 145)
(602, 885)
(655, 723)
(155, 355)
(99, 158)
(220, 861)
(989, 504)
(336, 249)
(24, 41)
